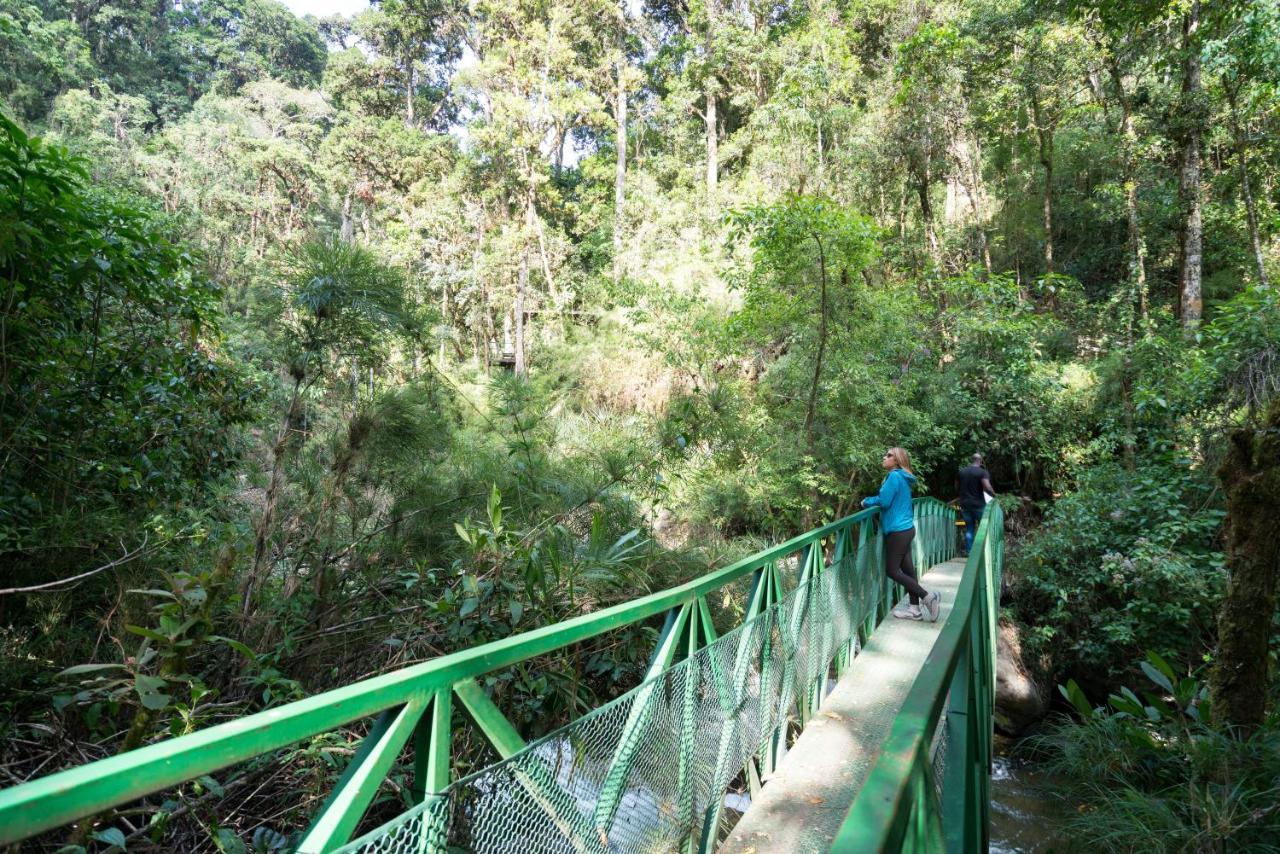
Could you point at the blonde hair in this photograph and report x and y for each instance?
(902, 458)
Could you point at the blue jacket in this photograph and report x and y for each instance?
(894, 502)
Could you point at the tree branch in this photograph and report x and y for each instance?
(57, 585)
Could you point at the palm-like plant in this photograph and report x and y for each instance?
(344, 300)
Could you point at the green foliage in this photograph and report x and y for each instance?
(39, 58)
(1125, 563)
(167, 56)
(345, 302)
(1154, 766)
(237, 41)
(292, 386)
(1010, 392)
(793, 240)
(116, 390)
(1246, 348)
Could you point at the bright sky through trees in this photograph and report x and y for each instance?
(320, 8)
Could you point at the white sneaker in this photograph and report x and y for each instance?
(908, 612)
(932, 603)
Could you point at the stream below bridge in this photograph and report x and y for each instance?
(1026, 818)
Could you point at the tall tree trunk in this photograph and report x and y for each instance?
(478, 327)
(522, 282)
(1044, 136)
(1094, 77)
(968, 163)
(322, 566)
(490, 333)
(620, 169)
(926, 215)
(812, 408)
(1250, 476)
(902, 212)
(348, 232)
(822, 166)
(1137, 245)
(1189, 280)
(1251, 212)
(1129, 443)
(411, 85)
(709, 118)
(544, 257)
(271, 500)
(561, 132)
(444, 316)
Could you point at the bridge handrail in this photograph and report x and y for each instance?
(413, 699)
(898, 806)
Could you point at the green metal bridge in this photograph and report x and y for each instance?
(896, 756)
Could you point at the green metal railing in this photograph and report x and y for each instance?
(904, 805)
(646, 771)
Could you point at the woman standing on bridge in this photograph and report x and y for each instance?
(898, 523)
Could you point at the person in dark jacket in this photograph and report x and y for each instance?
(897, 521)
(973, 483)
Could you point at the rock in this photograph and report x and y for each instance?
(1020, 700)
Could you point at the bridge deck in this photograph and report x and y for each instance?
(802, 804)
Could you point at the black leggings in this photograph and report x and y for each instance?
(898, 564)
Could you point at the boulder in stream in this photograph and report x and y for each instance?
(1020, 700)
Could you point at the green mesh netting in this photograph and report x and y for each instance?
(640, 773)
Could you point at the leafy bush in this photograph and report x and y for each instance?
(114, 390)
(1123, 564)
(1004, 391)
(1155, 770)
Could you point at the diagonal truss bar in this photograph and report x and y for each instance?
(532, 775)
(495, 726)
(359, 783)
(611, 790)
(688, 722)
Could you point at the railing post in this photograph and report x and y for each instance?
(871, 554)
(924, 825)
(918, 554)
(769, 752)
(807, 696)
(689, 731)
(959, 785)
(432, 750)
(849, 563)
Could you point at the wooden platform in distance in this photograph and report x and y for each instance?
(801, 806)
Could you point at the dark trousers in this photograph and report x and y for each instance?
(898, 564)
(972, 518)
